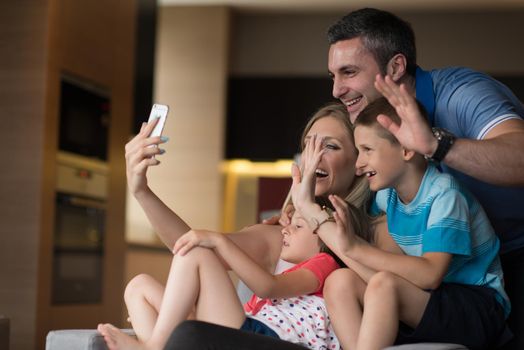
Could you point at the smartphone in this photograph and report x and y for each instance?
(158, 111)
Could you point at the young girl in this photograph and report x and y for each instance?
(288, 306)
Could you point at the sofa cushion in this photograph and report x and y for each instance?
(427, 346)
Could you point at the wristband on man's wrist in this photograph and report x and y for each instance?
(445, 141)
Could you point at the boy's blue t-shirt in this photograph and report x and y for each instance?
(445, 217)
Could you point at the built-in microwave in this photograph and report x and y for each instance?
(84, 117)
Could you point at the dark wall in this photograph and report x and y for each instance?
(266, 115)
(515, 83)
(144, 61)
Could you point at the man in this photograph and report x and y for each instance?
(478, 130)
(484, 146)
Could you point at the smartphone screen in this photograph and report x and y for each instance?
(159, 111)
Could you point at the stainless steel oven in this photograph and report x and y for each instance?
(78, 249)
(80, 221)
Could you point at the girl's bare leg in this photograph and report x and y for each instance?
(143, 296)
(197, 278)
(344, 294)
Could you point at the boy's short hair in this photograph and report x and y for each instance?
(368, 117)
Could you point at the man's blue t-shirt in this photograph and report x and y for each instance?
(444, 217)
(470, 104)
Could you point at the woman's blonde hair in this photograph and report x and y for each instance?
(359, 193)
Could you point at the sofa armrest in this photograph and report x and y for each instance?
(77, 339)
(4, 332)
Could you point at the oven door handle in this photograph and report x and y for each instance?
(85, 202)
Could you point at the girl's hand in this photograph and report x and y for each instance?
(196, 238)
(344, 238)
(140, 155)
(303, 188)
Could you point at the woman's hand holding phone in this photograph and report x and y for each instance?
(140, 154)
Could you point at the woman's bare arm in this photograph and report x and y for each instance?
(261, 242)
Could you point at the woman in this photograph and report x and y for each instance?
(263, 243)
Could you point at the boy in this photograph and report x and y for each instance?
(448, 285)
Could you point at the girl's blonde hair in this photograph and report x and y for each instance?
(362, 224)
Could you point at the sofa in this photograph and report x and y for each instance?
(90, 339)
